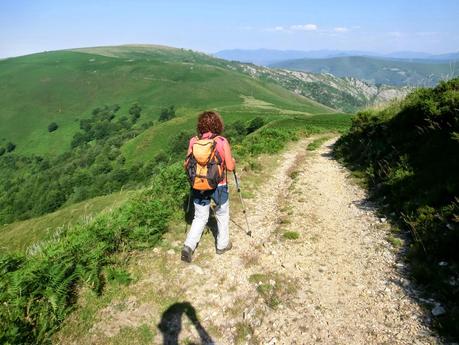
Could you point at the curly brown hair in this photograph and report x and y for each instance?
(210, 121)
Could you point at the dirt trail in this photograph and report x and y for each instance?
(337, 283)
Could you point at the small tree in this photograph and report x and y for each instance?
(178, 144)
(2, 151)
(239, 127)
(254, 124)
(10, 147)
(135, 111)
(78, 139)
(167, 113)
(52, 127)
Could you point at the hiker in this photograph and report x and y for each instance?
(207, 162)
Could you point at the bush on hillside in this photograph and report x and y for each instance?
(2, 151)
(167, 114)
(255, 124)
(10, 147)
(410, 155)
(178, 144)
(52, 127)
(235, 131)
(135, 112)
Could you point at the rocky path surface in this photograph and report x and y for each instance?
(318, 269)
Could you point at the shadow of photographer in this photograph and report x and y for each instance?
(171, 324)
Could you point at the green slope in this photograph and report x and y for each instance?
(64, 86)
(375, 70)
(22, 234)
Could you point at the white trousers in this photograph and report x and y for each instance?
(201, 216)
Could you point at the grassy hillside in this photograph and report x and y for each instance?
(64, 86)
(84, 123)
(21, 235)
(378, 71)
(409, 154)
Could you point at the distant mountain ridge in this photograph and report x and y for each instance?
(400, 72)
(267, 57)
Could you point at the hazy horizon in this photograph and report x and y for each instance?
(424, 26)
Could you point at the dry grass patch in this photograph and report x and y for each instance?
(244, 334)
(274, 288)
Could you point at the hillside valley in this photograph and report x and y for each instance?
(97, 120)
(93, 203)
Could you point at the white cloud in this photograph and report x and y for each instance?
(340, 29)
(304, 27)
(276, 29)
(395, 34)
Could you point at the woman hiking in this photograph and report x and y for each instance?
(216, 161)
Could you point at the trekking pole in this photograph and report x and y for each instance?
(187, 211)
(242, 202)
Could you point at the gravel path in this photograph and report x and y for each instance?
(338, 282)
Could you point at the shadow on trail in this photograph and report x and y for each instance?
(329, 154)
(171, 324)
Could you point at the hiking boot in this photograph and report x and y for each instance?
(187, 253)
(228, 247)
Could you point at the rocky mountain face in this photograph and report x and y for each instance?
(347, 94)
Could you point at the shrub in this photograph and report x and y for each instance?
(10, 147)
(118, 276)
(167, 113)
(255, 124)
(135, 111)
(178, 144)
(235, 131)
(2, 151)
(52, 127)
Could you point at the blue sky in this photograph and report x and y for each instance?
(28, 26)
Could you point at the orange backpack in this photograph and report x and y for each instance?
(204, 166)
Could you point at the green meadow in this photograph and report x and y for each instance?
(65, 86)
